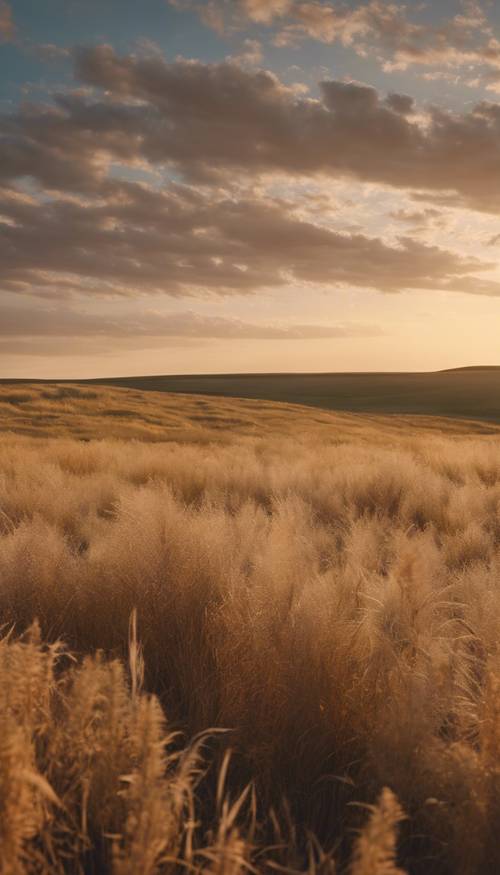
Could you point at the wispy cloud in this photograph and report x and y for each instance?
(392, 32)
(53, 329)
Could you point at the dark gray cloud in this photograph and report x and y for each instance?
(184, 241)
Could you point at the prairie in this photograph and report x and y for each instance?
(473, 393)
(246, 636)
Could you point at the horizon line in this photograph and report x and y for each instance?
(222, 374)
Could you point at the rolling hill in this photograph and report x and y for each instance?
(464, 392)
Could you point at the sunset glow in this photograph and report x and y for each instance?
(251, 185)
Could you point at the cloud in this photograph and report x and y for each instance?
(7, 26)
(213, 121)
(183, 241)
(250, 53)
(49, 52)
(59, 331)
(265, 11)
(224, 129)
(383, 29)
(222, 15)
(421, 218)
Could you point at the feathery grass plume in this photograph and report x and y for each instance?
(21, 804)
(26, 797)
(87, 751)
(153, 828)
(376, 847)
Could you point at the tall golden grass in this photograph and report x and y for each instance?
(322, 601)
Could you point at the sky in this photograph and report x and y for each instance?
(248, 186)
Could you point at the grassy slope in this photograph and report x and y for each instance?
(464, 392)
(84, 412)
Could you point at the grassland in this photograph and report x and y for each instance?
(465, 392)
(323, 587)
(96, 412)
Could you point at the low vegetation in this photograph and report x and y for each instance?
(462, 392)
(266, 647)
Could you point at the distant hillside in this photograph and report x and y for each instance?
(473, 393)
(471, 368)
(48, 410)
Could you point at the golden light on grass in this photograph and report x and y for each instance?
(323, 587)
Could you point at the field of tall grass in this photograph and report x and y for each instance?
(246, 637)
